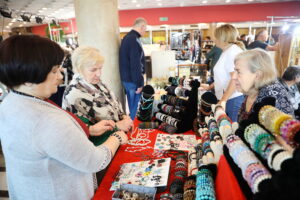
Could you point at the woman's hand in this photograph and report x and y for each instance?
(125, 124)
(101, 127)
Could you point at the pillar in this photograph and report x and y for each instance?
(98, 26)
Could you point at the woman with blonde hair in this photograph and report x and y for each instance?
(89, 98)
(256, 76)
(226, 39)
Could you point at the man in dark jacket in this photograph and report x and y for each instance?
(132, 64)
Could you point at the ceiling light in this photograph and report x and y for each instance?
(227, 1)
(159, 4)
(133, 1)
(44, 8)
(204, 1)
(40, 11)
(250, 0)
(285, 27)
(20, 25)
(138, 5)
(5, 13)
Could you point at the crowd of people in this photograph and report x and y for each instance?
(54, 152)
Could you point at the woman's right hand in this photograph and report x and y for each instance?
(101, 127)
(125, 124)
(123, 136)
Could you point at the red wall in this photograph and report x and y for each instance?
(201, 14)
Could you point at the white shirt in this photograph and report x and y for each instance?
(222, 70)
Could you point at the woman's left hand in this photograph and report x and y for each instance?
(101, 127)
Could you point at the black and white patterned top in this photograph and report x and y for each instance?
(91, 102)
(275, 90)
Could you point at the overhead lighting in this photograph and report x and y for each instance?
(44, 8)
(285, 27)
(297, 30)
(138, 5)
(40, 11)
(39, 19)
(204, 1)
(227, 1)
(133, 1)
(159, 4)
(26, 17)
(250, 0)
(5, 13)
(20, 25)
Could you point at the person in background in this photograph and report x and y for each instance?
(260, 41)
(290, 79)
(243, 38)
(226, 39)
(256, 76)
(132, 64)
(212, 58)
(46, 149)
(89, 98)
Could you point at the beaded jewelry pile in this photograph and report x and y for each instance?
(280, 124)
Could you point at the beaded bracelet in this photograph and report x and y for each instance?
(118, 137)
(280, 158)
(205, 185)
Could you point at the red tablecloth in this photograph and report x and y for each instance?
(222, 183)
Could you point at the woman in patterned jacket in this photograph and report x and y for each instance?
(256, 76)
(89, 98)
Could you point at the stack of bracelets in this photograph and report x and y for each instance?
(189, 189)
(168, 119)
(146, 104)
(180, 173)
(182, 92)
(279, 123)
(126, 195)
(192, 166)
(265, 145)
(148, 125)
(199, 155)
(252, 169)
(165, 127)
(175, 101)
(207, 99)
(213, 130)
(174, 111)
(205, 137)
(205, 185)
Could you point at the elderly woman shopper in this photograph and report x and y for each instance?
(255, 76)
(226, 39)
(89, 98)
(46, 149)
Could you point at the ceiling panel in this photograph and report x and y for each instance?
(64, 9)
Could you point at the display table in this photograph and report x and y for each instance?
(123, 156)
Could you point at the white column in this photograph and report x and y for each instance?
(98, 26)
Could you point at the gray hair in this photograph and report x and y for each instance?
(259, 60)
(139, 22)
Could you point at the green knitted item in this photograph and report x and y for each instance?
(97, 140)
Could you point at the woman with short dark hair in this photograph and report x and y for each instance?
(46, 149)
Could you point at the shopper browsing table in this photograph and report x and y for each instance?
(47, 151)
(260, 41)
(89, 98)
(255, 75)
(132, 64)
(226, 39)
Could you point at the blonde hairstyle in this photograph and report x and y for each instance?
(139, 22)
(85, 57)
(259, 60)
(227, 33)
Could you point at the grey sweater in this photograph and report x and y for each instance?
(47, 154)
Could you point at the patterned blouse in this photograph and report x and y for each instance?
(91, 103)
(275, 90)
